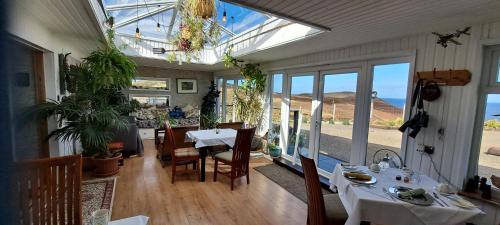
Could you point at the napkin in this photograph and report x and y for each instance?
(416, 193)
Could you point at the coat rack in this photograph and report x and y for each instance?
(445, 77)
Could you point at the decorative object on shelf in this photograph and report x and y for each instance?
(483, 183)
(444, 39)
(249, 96)
(176, 113)
(495, 181)
(187, 86)
(445, 77)
(486, 192)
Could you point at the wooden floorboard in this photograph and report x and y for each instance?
(144, 188)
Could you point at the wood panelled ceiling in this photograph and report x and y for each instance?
(355, 22)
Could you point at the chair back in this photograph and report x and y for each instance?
(177, 137)
(49, 191)
(241, 151)
(315, 203)
(233, 125)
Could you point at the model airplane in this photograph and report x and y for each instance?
(443, 40)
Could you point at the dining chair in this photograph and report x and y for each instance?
(238, 158)
(183, 153)
(231, 125)
(321, 209)
(48, 191)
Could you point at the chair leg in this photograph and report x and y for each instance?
(198, 174)
(248, 178)
(173, 171)
(232, 183)
(215, 170)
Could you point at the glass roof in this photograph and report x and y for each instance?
(151, 12)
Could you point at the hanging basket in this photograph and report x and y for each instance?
(202, 8)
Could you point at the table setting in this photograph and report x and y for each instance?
(398, 196)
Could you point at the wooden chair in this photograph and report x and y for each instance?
(183, 153)
(319, 213)
(49, 191)
(238, 159)
(232, 125)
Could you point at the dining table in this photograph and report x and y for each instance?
(204, 140)
(373, 203)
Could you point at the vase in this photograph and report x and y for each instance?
(274, 151)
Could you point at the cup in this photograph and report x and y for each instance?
(100, 217)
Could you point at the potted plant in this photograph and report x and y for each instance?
(95, 107)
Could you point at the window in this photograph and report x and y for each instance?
(229, 101)
(276, 95)
(151, 100)
(387, 106)
(489, 157)
(154, 84)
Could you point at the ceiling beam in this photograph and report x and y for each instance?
(277, 14)
(172, 22)
(144, 15)
(140, 5)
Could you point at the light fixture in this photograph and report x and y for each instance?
(137, 33)
(224, 14)
(158, 27)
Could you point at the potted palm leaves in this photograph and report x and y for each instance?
(95, 108)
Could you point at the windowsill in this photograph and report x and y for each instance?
(495, 197)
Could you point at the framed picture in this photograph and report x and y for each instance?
(151, 84)
(187, 86)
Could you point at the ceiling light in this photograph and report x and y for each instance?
(158, 27)
(224, 16)
(137, 33)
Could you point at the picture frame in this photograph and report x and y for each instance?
(187, 86)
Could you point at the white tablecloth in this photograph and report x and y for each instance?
(136, 220)
(205, 138)
(373, 205)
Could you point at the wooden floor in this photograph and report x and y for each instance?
(144, 188)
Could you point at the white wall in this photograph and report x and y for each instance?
(27, 29)
(454, 110)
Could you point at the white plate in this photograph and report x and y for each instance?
(371, 181)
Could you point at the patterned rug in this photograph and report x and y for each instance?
(97, 194)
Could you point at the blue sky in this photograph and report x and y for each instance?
(390, 81)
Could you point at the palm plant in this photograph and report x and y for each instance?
(95, 107)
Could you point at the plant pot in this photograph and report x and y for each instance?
(274, 152)
(105, 167)
(88, 163)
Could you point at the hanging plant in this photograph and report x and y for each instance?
(202, 8)
(195, 30)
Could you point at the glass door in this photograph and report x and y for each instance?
(300, 116)
(338, 103)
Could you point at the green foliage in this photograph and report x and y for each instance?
(391, 123)
(210, 120)
(492, 124)
(346, 122)
(95, 107)
(208, 107)
(249, 96)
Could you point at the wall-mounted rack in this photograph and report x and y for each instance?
(446, 77)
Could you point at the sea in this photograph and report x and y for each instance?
(492, 108)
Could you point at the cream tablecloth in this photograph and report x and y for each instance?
(205, 138)
(372, 204)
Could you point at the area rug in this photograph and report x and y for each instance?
(288, 180)
(97, 194)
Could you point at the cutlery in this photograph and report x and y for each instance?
(437, 198)
(387, 192)
(364, 185)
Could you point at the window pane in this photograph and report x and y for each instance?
(229, 100)
(498, 71)
(277, 88)
(300, 114)
(387, 108)
(150, 84)
(337, 118)
(489, 158)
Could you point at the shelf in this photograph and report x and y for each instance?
(477, 196)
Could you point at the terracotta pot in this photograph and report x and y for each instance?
(88, 163)
(105, 167)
